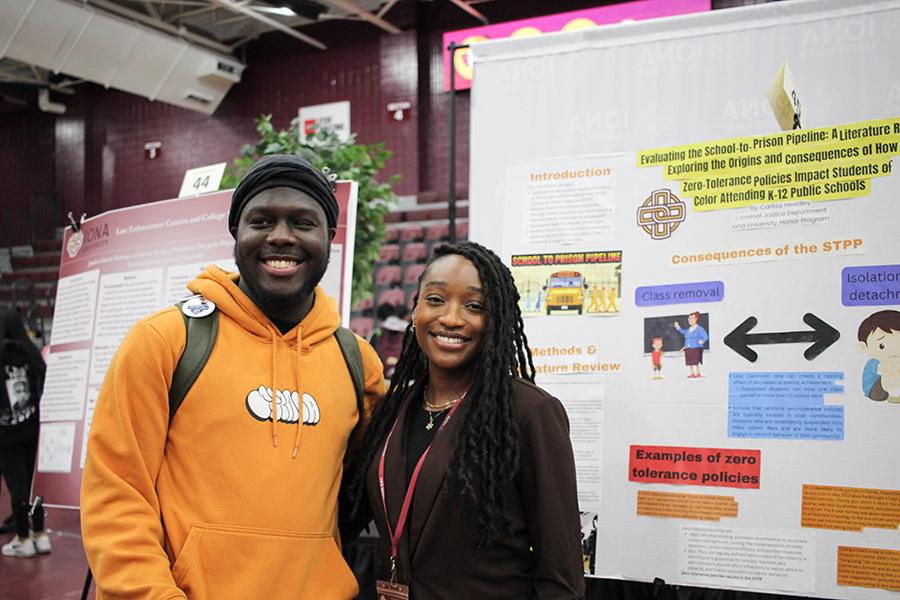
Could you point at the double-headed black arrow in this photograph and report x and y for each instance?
(822, 334)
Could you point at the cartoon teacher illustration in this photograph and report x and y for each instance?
(694, 339)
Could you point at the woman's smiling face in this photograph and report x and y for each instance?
(451, 314)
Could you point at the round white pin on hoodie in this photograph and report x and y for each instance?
(197, 307)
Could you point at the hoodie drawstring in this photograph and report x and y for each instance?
(274, 391)
(300, 417)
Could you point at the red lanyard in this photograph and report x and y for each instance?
(407, 500)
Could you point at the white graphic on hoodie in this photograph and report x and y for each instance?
(259, 404)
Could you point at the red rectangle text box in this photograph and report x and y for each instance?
(717, 467)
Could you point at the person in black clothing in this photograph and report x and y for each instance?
(22, 370)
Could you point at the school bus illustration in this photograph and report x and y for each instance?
(565, 291)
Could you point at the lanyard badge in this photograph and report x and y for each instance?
(386, 590)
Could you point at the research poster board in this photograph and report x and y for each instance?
(713, 299)
(119, 267)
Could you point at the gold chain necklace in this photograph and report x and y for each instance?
(436, 410)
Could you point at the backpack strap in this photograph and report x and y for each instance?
(200, 337)
(350, 349)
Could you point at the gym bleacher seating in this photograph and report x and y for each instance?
(411, 275)
(387, 275)
(393, 296)
(362, 326)
(414, 252)
(415, 233)
(437, 233)
(412, 235)
(389, 253)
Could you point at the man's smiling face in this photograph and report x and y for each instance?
(282, 244)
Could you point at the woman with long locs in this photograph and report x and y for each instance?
(467, 466)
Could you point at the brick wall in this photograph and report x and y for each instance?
(92, 158)
(26, 170)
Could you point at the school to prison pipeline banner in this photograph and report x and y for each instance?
(714, 296)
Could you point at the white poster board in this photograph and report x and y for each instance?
(757, 467)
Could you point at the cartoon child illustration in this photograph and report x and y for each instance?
(656, 357)
(694, 339)
(879, 337)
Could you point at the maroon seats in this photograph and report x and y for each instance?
(389, 252)
(411, 276)
(436, 233)
(412, 234)
(394, 296)
(414, 252)
(362, 326)
(387, 275)
(364, 304)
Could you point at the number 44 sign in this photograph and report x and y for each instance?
(201, 180)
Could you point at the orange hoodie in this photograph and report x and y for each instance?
(225, 502)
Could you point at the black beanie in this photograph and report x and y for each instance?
(284, 170)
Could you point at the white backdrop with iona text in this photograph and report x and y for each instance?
(632, 175)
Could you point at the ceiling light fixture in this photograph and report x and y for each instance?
(309, 9)
(282, 11)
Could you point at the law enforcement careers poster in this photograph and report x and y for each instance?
(121, 266)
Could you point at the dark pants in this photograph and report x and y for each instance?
(17, 456)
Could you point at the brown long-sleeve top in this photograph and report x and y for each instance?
(439, 553)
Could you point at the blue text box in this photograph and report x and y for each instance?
(784, 405)
(870, 286)
(680, 293)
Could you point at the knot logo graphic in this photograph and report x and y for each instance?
(290, 406)
(661, 214)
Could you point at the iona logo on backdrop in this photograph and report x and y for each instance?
(839, 38)
(97, 233)
(76, 241)
(87, 236)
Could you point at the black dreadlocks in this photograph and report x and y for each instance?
(486, 451)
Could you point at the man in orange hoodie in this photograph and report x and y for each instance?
(236, 497)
